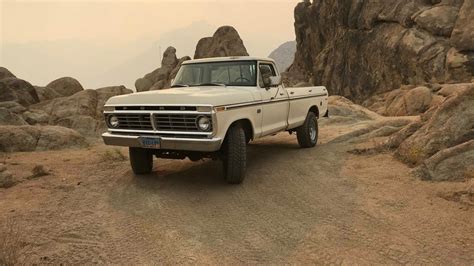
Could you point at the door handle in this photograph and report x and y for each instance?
(281, 93)
(292, 92)
(310, 90)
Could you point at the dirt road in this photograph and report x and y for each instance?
(296, 206)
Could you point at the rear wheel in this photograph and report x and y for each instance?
(235, 155)
(307, 134)
(141, 160)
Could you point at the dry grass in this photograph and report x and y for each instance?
(112, 155)
(415, 155)
(39, 171)
(10, 244)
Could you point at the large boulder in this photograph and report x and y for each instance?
(81, 111)
(463, 34)
(361, 48)
(37, 138)
(226, 41)
(455, 163)
(448, 125)
(160, 78)
(438, 20)
(5, 73)
(10, 118)
(65, 86)
(46, 93)
(36, 117)
(405, 101)
(13, 107)
(17, 90)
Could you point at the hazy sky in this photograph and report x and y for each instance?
(102, 41)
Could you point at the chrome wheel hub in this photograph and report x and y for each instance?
(312, 131)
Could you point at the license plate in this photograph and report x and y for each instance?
(151, 143)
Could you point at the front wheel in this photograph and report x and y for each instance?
(141, 160)
(235, 155)
(307, 134)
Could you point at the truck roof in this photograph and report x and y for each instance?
(230, 58)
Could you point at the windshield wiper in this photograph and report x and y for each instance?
(211, 84)
(179, 86)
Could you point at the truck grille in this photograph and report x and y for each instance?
(162, 122)
(135, 121)
(176, 122)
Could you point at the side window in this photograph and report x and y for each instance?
(266, 71)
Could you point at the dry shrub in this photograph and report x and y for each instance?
(38, 171)
(10, 244)
(112, 155)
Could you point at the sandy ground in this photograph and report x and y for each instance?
(321, 205)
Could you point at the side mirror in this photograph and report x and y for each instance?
(275, 81)
(269, 82)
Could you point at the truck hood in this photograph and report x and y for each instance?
(211, 95)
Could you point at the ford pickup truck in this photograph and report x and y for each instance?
(214, 108)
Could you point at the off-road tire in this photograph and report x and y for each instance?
(306, 137)
(234, 155)
(141, 160)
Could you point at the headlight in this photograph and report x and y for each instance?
(109, 108)
(113, 121)
(204, 123)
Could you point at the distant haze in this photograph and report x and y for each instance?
(104, 43)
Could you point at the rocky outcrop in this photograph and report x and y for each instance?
(65, 86)
(408, 100)
(462, 36)
(81, 111)
(454, 163)
(37, 138)
(17, 90)
(13, 107)
(161, 77)
(226, 41)
(439, 139)
(360, 48)
(10, 118)
(284, 55)
(343, 110)
(5, 73)
(46, 93)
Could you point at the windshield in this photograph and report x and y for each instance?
(232, 73)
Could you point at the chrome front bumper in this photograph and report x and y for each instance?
(181, 144)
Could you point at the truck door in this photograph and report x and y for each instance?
(275, 104)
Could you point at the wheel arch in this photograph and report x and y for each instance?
(314, 109)
(246, 125)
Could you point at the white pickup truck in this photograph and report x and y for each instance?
(215, 107)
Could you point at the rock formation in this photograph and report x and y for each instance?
(284, 55)
(226, 41)
(17, 90)
(442, 138)
(408, 100)
(161, 77)
(33, 138)
(63, 102)
(5, 73)
(359, 48)
(81, 111)
(65, 86)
